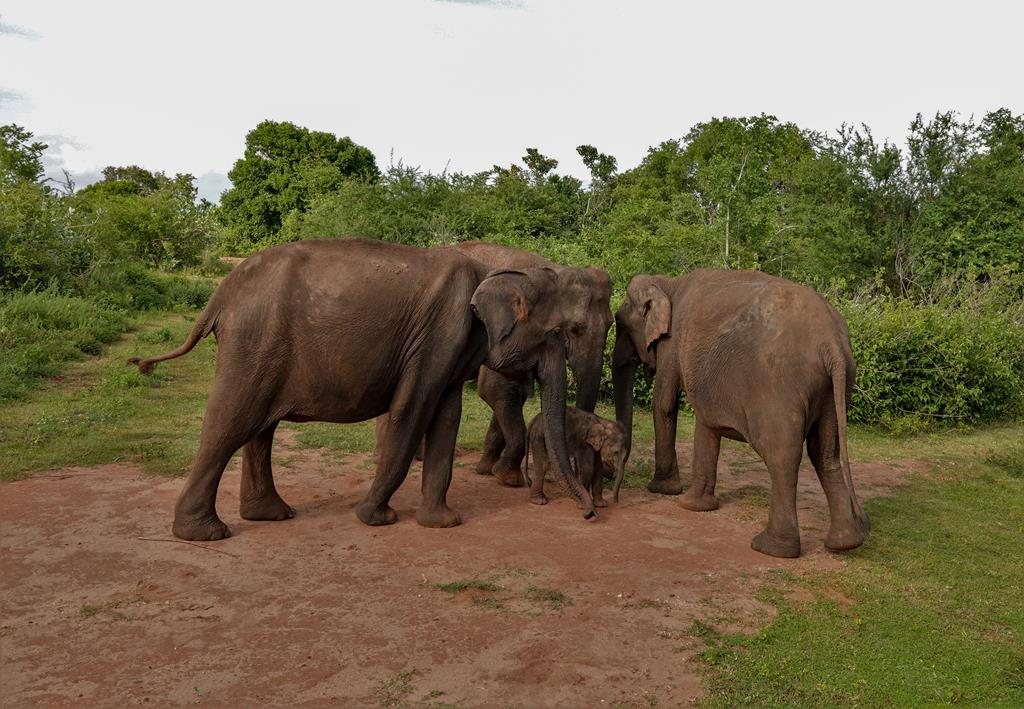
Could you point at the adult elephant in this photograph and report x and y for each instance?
(762, 360)
(344, 330)
(505, 443)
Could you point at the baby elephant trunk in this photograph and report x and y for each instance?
(620, 473)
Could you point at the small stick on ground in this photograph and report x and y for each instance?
(182, 541)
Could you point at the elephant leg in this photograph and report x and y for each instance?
(595, 480)
(700, 497)
(439, 455)
(508, 469)
(411, 406)
(505, 444)
(380, 430)
(540, 471)
(666, 412)
(848, 527)
(782, 535)
(258, 498)
(494, 443)
(230, 422)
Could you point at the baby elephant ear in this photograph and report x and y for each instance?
(596, 435)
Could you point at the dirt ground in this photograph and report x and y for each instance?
(100, 607)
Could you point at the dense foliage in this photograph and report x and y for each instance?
(284, 168)
(75, 265)
(67, 239)
(889, 232)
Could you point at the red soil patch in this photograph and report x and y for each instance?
(321, 609)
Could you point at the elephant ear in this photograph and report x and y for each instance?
(654, 307)
(597, 434)
(500, 301)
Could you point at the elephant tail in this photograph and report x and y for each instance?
(204, 326)
(838, 373)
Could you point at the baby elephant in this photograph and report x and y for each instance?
(592, 442)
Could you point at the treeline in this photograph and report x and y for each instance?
(920, 245)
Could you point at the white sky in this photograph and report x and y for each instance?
(175, 86)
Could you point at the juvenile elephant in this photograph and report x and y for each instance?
(593, 443)
(344, 330)
(505, 442)
(762, 360)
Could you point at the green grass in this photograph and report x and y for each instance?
(554, 599)
(40, 332)
(935, 612)
(104, 411)
(454, 587)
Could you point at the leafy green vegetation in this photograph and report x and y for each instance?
(39, 332)
(104, 411)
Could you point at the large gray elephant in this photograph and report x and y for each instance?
(762, 360)
(344, 330)
(505, 443)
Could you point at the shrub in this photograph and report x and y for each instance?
(934, 363)
(40, 331)
(132, 287)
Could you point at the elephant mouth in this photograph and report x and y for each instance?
(511, 364)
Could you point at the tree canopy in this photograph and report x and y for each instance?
(285, 167)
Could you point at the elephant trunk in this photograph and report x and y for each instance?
(552, 405)
(587, 368)
(624, 363)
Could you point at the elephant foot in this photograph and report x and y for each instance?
(600, 502)
(484, 466)
(438, 517)
(697, 502)
(200, 529)
(267, 509)
(772, 546)
(666, 486)
(510, 477)
(539, 499)
(375, 515)
(847, 536)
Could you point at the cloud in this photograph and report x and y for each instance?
(55, 160)
(211, 185)
(16, 31)
(10, 96)
(503, 4)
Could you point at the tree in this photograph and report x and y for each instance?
(971, 194)
(21, 158)
(137, 214)
(284, 169)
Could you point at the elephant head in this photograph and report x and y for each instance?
(643, 319)
(608, 438)
(526, 314)
(590, 291)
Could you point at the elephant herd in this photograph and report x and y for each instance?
(345, 330)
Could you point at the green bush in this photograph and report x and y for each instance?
(41, 331)
(938, 363)
(133, 287)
